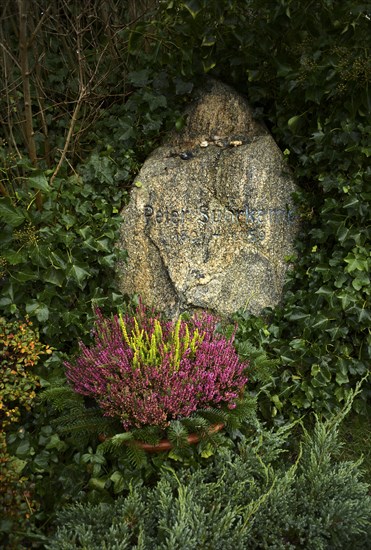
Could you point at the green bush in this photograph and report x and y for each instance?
(60, 197)
(21, 353)
(256, 498)
(57, 260)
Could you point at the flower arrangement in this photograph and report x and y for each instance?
(145, 371)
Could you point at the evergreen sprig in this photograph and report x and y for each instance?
(81, 423)
(251, 499)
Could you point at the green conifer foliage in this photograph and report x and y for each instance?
(250, 499)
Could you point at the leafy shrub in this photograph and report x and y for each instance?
(17, 503)
(52, 283)
(313, 94)
(249, 499)
(21, 352)
(59, 215)
(306, 71)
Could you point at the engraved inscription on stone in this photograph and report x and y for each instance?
(252, 221)
(210, 227)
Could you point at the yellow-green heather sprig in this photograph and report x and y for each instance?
(151, 348)
(177, 343)
(196, 340)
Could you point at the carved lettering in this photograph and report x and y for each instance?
(216, 215)
(204, 211)
(175, 216)
(251, 220)
(184, 212)
(148, 211)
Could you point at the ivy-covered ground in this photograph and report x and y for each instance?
(87, 91)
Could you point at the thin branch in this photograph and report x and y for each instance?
(70, 133)
(26, 81)
(14, 59)
(40, 101)
(36, 30)
(78, 105)
(23, 47)
(8, 103)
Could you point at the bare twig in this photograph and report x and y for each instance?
(78, 105)
(36, 30)
(14, 59)
(8, 102)
(23, 47)
(75, 115)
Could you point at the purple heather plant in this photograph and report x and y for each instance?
(144, 371)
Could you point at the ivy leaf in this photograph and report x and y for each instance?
(294, 122)
(15, 258)
(58, 260)
(208, 40)
(325, 291)
(68, 220)
(341, 378)
(97, 483)
(24, 274)
(283, 70)
(337, 332)
(208, 64)
(355, 263)
(39, 182)
(139, 78)
(320, 320)
(23, 448)
(207, 452)
(118, 482)
(10, 214)
(194, 7)
(360, 281)
(297, 316)
(182, 87)
(41, 311)
(54, 276)
(41, 461)
(78, 273)
(364, 315)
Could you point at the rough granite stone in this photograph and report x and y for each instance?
(211, 219)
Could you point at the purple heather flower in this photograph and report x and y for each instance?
(155, 394)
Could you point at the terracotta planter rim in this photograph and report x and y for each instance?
(165, 444)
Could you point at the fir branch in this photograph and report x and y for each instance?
(61, 397)
(148, 434)
(136, 455)
(116, 443)
(178, 434)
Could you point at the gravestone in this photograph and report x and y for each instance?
(211, 220)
